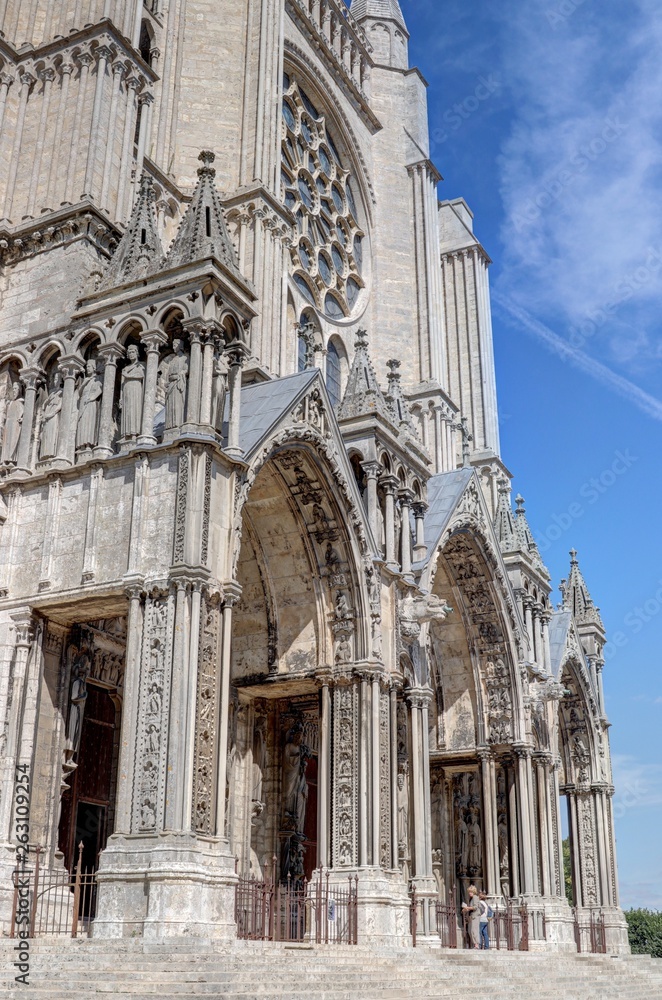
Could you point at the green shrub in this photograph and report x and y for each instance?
(645, 932)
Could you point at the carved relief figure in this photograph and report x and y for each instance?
(131, 393)
(295, 787)
(475, 843)
(51, 420)
(175, 372)
(12, 429)
(88, 407)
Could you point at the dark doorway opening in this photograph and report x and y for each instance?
(310, 820)
(87, 806)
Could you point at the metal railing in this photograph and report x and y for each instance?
(590, 935)
(509, 928)
(61, 903)
(297, 910)
(434, 917)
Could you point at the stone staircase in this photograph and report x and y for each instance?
(65, 969)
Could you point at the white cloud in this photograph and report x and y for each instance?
(581, 177)
(638, 785)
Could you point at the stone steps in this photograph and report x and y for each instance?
(137, 970)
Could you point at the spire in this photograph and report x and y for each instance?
(382, 9)
(363, 395)
(504, 522)
(523, 534)
(396, 401)
(202, 232)
(576, 597)
(139, 252)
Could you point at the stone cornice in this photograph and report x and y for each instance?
(65, 225)
(104, 31)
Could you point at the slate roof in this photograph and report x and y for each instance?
(558, 633)
(444, 492)
(263, 404)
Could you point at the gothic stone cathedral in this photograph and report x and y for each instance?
(263, 591)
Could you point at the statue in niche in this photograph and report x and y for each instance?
(174, 374)
(12, 429)
(50, 427)
(502, 835)
(343, 649)
(88, 407)
(218, 392)
(131, 394)
(403, 814)
(295, 787)
(80, 671)
(475, 843)
(463, 843)
(343, 610)
(147, 815)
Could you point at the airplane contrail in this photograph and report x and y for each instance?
(628, 390)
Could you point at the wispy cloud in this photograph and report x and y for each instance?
(581, 181)
(638, 784)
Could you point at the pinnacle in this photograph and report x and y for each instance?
(139, 252)
(504, 522)
(363, 395)
(576, 596)
(202, 232)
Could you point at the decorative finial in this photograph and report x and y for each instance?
(573, 557)
(361, 339)
(206, 157)
(393, 374)
(504, 485)
(519, 500)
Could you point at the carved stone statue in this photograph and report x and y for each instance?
(219, 390)
(295, 787)
(175, 372)
(88, 407)
(12, 429)
(475, 843)
(343, 610)
(131, 394)
(80, 671)
(50, 427)
(463, 843)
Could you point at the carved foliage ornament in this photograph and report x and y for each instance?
(206, 721)
(149, 787)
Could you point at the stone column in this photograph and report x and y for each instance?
(364, 752)
(375, 748)
(603, 847)
(126, 766)
(70, 368)
(528, 621)
(513, 825)
(6, 80)
(230, 598)
(599, 665)
(153, 341)
(439, 440)
(390, 483)
(27, 80)
(575, 848)
(406, 497)
(207, 376)
(417, 699)
(47, 76)
(372, 471)
(111, 353)
(236, 354)
(524, 817)
(537, 631)
(195, 330)
(393, 698)
(324, 771)
(490, 835)
(542, 764)
(420, 549)
(102, 54)
(23, 626)
(30, 377)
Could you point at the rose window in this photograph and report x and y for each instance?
(327, 256)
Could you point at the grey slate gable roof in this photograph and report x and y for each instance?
(264, 403)
(558, 634)
(444, 492)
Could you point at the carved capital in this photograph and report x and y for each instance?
(70, 366)
(371, 469)
(85, 59)
(111, 353)
(47, 75)
(31, 377)
(24, 625)
(153, 340)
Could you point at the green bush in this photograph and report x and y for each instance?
(645, 932)
(567, 871)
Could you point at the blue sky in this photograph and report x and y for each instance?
(557, 147)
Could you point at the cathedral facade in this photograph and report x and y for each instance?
(263, 590)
